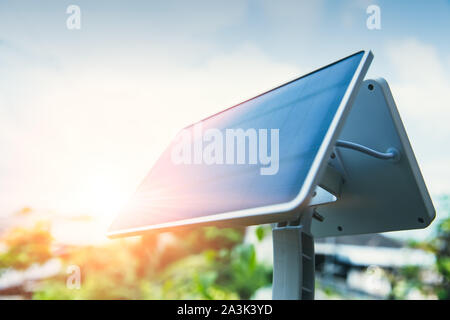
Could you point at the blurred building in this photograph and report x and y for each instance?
(354, 266)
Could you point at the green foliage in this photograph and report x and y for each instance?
(246, 274)
(200, 263)
(25, 247)
(403, 281)
(261, 231)
(440, 246)
(194, 277)
(413, 278)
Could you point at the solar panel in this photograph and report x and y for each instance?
(253, 163)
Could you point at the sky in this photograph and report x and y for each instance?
(84, 113)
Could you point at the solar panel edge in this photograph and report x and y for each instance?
(277, 87)
(346, 99)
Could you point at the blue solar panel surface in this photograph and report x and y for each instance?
(300, 111)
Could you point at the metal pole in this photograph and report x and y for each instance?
(293, 259)
(293, 244)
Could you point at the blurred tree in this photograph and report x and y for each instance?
(240, 271)
(24, 211)
(431, 283)
(26, 246)
(107, 272)
(153, 255)
(440, 247)
(197, 263)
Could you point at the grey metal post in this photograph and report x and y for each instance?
(293, 259)
(293, 244)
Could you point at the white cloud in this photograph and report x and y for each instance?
(422, 92)
(422, 81)
(353, 13)
(294, 12)
(291, 21)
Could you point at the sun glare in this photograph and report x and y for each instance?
(104, 198)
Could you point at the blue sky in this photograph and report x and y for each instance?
(84, 113)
